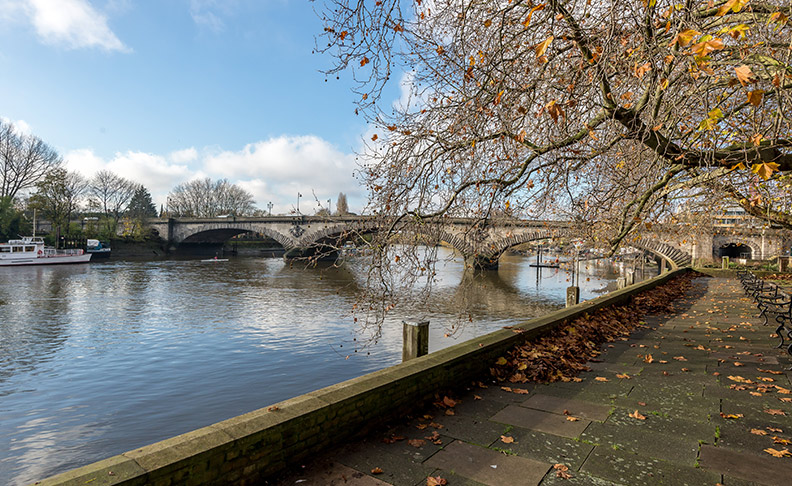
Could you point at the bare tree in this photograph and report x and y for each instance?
(204, 198)
(112, 193)
(24, 160)
(342, 207)
(58, 196)
(600, 112)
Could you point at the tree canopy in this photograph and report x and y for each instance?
(204, 198)
(24, 160)
(610, 113)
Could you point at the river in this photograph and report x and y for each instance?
(98, 359)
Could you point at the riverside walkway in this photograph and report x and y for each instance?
(697, 397)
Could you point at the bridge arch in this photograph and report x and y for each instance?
(674, 257)
(213, 234)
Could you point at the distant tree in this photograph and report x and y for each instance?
(140, 205)
(12, 221)
(112, 194)
(342, 207)
(58, 196)
(204, 198)
(24, 160)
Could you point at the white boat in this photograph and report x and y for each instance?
(30, 250)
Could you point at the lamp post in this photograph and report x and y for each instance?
(298, 202)
(329, 208)
(269, 206)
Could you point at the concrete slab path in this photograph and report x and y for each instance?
(697, 397)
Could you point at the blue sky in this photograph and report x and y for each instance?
(161, 91)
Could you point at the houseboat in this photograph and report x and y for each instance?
(30, 250)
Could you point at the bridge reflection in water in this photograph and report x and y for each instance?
(97, 360)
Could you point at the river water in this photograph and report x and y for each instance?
(99, 359)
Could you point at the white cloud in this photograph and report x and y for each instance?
(21, 127)
(184, 156)
(273, 170)
(208, 13)
(72, 24)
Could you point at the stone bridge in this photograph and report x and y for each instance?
(480, 242)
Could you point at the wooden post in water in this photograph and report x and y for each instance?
(416, 339)
(572, 296)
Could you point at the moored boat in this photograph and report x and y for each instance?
(30, 250)
(97, 248)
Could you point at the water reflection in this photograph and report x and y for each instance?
(99, 359)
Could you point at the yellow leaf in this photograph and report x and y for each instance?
(542, 46)
(572, 419)
(777, 453)
(733, 5)
(530, 14)
(756, 139)
(506, 439)
(738, 166)
(664, 83)
(637, 415)
(685, 37)
(601, 378)
(506, 206)
(765, 169)
(487, 23)
(640, 71)
(738, 31)
(501, 362)
(498, 97)
(755, 97)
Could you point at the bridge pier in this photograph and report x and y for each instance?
(318, 253)
(481, 262)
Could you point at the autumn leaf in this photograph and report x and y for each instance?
(648, 359)
(506, 439)
(364, 61)
(641, 70)
(637, 415)
(601, 378)
(684, 38)
(501, 362)
(733, 5)
(530, 14)
(624, 376)
(755, 97)
(705, 47)
(498, 97)
(449, 402)
(572, 419)
(758, 432)
(772, 372)
(777, 453)
(374, 137)
(416, 442)
(744, 74)
(562, 471)
(542, 46)
(732, 416)
(765, 169)
(273, 409)
(782, 441)
(436, 481)
(376, 470)
(774, 411)
(555, 111)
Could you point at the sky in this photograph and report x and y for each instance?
(165, 91)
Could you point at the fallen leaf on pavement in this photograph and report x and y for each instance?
(774, 411)
(782, 441)
(376, 470)
(435, 481)
(562, 471)
(572, 419)
(777, 453)
(601, 378)
(507, 439)
(772, 372)
(732, 416)
(416, 442)
(758, 432)
(637, 415)
(624, 376)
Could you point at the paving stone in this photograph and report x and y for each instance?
(401, 467)
(634, 469)
(453, 479)
(487, 466)
(578, 479)
(546, 447)
(568, 406)
(542, 421)
(768, 470)
(639, 440)
(476, 431)
(630, 369)
(750, 358)
(335, 474)
(663, 422)
(694, 408)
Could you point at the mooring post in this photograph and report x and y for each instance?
(573, 296)
(416, 339)
(725, 263)
(621, 282)
(630, 277)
